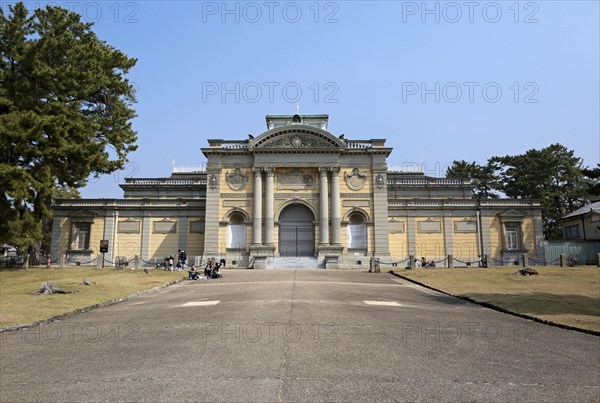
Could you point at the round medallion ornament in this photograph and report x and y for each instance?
(296, 142)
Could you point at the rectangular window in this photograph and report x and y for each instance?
(236, 236)
(572, 232)
(512, 236)
(357, 236)
(80, 236)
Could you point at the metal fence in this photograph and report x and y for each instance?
(584, 252)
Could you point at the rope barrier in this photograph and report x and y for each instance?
(80, 262)
(537, 262)
(392, 263)
(460, 261)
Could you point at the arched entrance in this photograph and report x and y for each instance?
(296, 231)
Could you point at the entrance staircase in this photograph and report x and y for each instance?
(295, 263)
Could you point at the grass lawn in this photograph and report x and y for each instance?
(567, 295)
(19, 306)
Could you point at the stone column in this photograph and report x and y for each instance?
(324, 208)
(335, 206)
(257, 208)
(269, 202)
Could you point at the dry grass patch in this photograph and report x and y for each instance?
(19, 306)
(570, 296)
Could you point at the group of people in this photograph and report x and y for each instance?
(169, 262)
(210, 270)
(422, 263)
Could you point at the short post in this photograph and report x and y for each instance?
(525, 260)
(99, 262)
(598, 259)
(371, 264)
(136, 263)
(450, 261)
(411, 259)
(26, 262)
(376, 266)
(61, 262)
(562, 260)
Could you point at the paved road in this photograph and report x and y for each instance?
(298, 336)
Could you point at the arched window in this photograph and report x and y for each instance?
(236, 232)
(357, 232)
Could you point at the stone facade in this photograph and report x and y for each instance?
(297, 195)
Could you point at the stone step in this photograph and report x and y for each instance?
(303, 262)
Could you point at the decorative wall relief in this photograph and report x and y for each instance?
(429, 226)
(296, 179)
(212, 181)
(128, 226)
(237, 179)
(165, 226)
(355, 180)
(380, 181)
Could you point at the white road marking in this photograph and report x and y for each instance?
(382, 303)
(201, 303)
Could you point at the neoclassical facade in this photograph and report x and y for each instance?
(298, 196)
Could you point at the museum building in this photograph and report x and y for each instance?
(298, 196)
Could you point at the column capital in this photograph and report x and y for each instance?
(335, 170)
(257, 171)
(269, 170)
(323, 170)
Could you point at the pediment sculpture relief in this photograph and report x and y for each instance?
(296, 141)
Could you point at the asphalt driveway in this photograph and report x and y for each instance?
(302, 335)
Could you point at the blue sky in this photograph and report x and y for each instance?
(441, 81)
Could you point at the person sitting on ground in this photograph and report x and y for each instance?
(207, 269)
(193, 273)
(171, 263)
(423, 262)
(215, 271)
(222, 262)
(431, 264)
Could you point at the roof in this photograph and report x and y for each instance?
(592, 207)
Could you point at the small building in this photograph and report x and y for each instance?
(582, 224)
(299, 196)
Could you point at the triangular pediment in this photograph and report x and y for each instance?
(299, 137)
(83, 214)
(511, 213)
